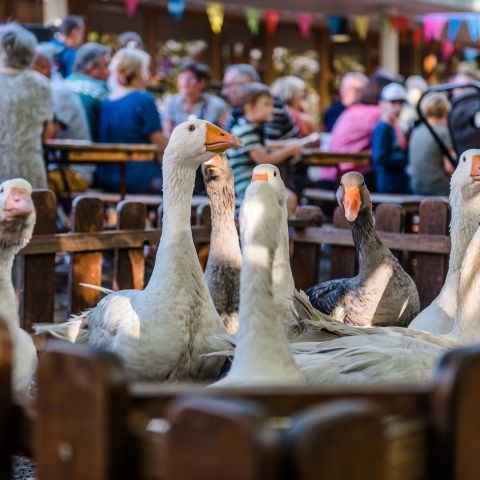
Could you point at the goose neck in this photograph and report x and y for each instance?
(366, 240)
(8, 300)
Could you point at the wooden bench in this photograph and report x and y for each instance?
(410, 203)
(91, 423)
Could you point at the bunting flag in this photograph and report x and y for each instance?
(176, 8)
(131, 7)
(335, 23)
(473, 27)
(215, 16)
(253, 19)
(454, 25)
(433, 26)
(385, 23)
(470, 54)
(361, 24)
(271, 21)
(417, 35)
(305, 21)
(399, 23)
(448, 49)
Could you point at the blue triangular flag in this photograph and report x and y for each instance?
(472, 24)
(454, 26)
(176, 8)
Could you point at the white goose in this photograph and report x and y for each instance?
(17, 219)
(262, 354)
(160, 332)
(439, 316)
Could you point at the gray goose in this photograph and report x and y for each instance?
(222, 272)
(382, 293)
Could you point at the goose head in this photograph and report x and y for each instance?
(17, 214)
(466, 178)
(196, 141)
(270, 174)
(353, 195)
(217, 173)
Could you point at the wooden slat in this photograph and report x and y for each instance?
(98, 241)
(343, 257)
(439, 244)
(129, 264)
(153, 400)
(431, 267)
(305, 264)
(390, 218)
(35, 275)
(82, 431)
(318, 441)
(5, 399)
(86, 267)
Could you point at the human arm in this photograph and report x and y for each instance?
(279, 155)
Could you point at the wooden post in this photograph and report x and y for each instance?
(431, 268)
(390, 218)
(85, 267)
(7, 10)
(129, 263)
(232, 428)
(216, 55)
(269, 72)
(455, 397)
(5, 400)
(35, 274)
(82, 431)
(325, 75)
(150, 16)
(305, 262)
(318, 439)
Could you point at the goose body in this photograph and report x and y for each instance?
(160, 332)
(382, 293)
(17, 219)
(439, 316)
(222, 272)
(262, 354)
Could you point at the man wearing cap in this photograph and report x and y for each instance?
(389, 155)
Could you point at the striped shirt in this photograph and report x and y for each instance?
(240, 160)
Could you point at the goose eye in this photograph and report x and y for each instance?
(191, 128)
(464, 159)
(274, 174)
(1, 190)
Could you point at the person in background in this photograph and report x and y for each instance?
(193, 80)
(351, 89)
(415, 86)
(353, 130)
(464, 75)
(389, 154)
(430, 169)
(129, 40)
(25, 106)
(68, 114)
(257, 108)
(292, 91)
(89, 81)
(130, 115)
(69, 38)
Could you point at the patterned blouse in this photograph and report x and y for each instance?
(25, 105)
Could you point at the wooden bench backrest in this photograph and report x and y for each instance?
(95, 424)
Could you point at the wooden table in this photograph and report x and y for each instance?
(318, 158)
(74, 152)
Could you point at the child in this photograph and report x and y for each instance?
(389, 157)
(257, 107)
(431, 170)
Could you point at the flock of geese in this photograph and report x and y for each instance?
(243, 315)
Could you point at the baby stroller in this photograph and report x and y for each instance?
(463, 119)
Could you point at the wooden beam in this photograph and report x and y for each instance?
(216, 55)
(324, 55)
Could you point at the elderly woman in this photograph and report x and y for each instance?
(25, 106)
(130, 115)
(292, 90)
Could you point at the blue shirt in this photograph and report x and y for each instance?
(65, 58)
(129, 119)
(389, 161)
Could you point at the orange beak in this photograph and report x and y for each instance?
(260, 177)
(475, 171)
(351, 203)
(218, 140)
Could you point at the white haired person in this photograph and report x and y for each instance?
(130, 115)
(293, 91)
(25, 106)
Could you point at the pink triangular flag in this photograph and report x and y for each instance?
(131, 6)
(305, 21)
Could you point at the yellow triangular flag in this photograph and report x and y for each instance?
(361, 24)
(215, 16)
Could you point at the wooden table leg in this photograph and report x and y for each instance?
(123, 180)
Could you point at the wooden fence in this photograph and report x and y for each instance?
(35, 273)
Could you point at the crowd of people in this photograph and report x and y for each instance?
(69, 89)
